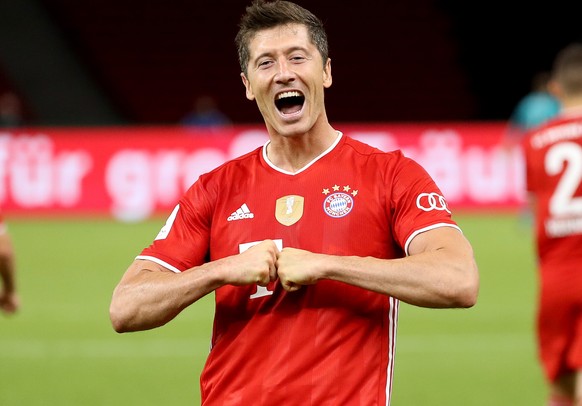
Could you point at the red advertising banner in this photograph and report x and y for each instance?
(132, 173)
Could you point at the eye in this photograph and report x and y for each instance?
(297, 58)
(265, 63)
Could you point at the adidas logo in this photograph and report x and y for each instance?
(242, 213)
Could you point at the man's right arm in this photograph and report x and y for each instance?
(150, 295)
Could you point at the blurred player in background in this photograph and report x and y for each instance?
(308, 242)
(11, 112)
(9, 301)
(533, 110)
(554, 180)
(205, 113)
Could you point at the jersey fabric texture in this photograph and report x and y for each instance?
(325, 344)
(554, 176)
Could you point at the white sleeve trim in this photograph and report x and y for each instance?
(422, 230)
(159, 262)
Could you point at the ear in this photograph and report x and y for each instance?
(249, 91)
(327, 74)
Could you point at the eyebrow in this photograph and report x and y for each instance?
(287, 51)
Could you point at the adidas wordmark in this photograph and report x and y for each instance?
(242, 213)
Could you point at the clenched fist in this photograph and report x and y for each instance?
(255, 265)
(296, 268)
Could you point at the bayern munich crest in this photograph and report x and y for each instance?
(339, 204)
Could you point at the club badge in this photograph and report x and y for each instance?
(339, 203)
(289, 209)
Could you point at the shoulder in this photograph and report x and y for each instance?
(242, 164)
(393, 166)
(359, 146)
(394, 160)
(562, 128)
(232, 172)
(367, 151)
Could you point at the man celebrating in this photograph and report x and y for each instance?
(309, 242)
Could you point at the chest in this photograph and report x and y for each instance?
(332, 212)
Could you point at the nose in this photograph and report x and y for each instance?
(285, 73)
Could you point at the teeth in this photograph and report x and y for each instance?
(288, 94)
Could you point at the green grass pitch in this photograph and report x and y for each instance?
(61, 350)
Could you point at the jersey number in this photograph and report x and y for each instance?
(261, 290)
(568, 154)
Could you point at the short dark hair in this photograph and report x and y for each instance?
(261, 15)
(567, 69)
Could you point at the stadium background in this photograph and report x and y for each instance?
(125, 61)
(104, 62)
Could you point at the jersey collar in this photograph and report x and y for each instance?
(327, 151)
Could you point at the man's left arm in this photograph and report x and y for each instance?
(440, 270)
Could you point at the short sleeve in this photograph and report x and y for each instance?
(183, 241)
(417, 204)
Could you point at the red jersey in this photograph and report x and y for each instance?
(326, 344)
(554, 175)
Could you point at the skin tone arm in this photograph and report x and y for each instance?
(150, 295)
(9, 301)
(440, 272)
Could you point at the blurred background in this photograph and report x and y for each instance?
(133, 62)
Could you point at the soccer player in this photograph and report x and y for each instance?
(308, 243)
(554, 180)
(9, 300)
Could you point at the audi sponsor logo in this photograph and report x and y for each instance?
(431, 201)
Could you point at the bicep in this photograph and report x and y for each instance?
(141, 269)
(449, 238)
(446, 258)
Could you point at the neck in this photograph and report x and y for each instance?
(293, 153)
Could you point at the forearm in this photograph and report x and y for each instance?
(150, 295)
(147, 297)
(430, 279)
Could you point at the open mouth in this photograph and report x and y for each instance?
(289, 102)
